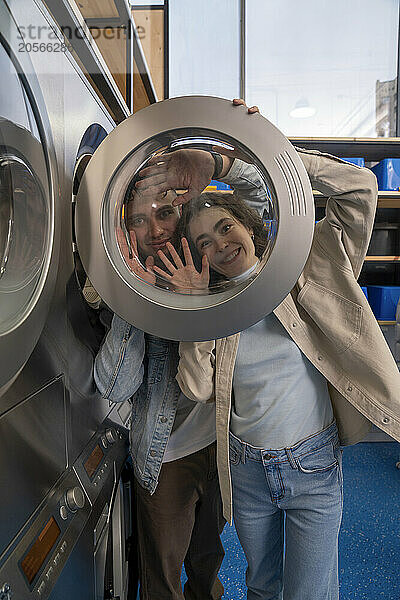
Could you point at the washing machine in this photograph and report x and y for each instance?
(53, 422)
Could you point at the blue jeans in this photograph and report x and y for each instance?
(287, 507)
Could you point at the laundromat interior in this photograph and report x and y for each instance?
(174, 173)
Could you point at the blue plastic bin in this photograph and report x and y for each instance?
(364, 289)
(217, 185)
(383, 300)
(387, 172)
(360, 162)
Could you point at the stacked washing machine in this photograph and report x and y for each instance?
(65, 509)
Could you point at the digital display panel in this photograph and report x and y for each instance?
(93, 461)
(44, 543)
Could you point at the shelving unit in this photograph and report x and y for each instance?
(372, 150)
(382, 259)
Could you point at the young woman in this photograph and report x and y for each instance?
(285, 386)
(291, 389)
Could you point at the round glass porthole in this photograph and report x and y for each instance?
(217, 241)
(24, 223)
(194, 219)
(28, 223)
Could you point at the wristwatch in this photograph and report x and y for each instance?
(218, 165)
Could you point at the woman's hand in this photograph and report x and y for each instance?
(236, 153)
(134, 262)
(184, 277)
(189, 170)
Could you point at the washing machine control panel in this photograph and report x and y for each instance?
(41, 551)
(96, 464)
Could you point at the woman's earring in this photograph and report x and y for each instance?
(252, 236)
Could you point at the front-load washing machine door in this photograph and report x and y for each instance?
(28, 253)
(224, 260)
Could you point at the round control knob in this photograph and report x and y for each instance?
(75, 498)
(111, 436)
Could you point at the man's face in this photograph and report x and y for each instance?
(153, 221)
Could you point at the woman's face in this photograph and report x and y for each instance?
(224, 240)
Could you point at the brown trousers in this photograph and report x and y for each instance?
(181, 524)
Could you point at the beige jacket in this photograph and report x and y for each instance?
(327, 316)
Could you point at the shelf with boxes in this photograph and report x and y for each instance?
(380, 276)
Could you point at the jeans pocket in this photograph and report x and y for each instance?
(234, 456)
(318, 460)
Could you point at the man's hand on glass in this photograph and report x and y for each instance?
(146, 273)
(189, 170)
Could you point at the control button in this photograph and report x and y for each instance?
(111, 436)
(49, 572)
(104, 441)
(75, 498)
(41, 588)
(5, 591)
(63, 512)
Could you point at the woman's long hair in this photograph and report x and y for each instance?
(232, 204)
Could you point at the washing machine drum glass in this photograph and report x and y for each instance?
(24, 201)
(225, 257)
(23, 225)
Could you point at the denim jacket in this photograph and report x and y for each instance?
(137, 365)
(134, 364)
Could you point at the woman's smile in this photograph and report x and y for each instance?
(227, 243)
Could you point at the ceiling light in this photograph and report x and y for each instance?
(302, 109)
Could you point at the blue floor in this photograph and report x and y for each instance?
(369, 545)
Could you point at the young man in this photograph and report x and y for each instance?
(179, 514)
(179, 511)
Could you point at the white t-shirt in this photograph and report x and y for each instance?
(193, 429)
(280, 398)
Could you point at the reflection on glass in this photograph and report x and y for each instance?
(24, 207)
(176, 230)
(23, 231)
